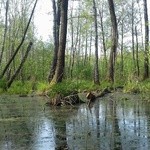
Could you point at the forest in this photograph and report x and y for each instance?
(84, 88)
(95, 44)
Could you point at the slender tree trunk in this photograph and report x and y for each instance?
(103, 36)
(43, 63)
(122, 41)
(133, 44)
(90, 46)
(137, 52)
(23, 23)
(114, 41)
(56, 28)
(5, 31)
(75, 48)
(19, 46)
(146, 52)
(79, 47)
(59, 72)
(72, 45)
(141, 24)
(96, 68)
(86, 46)
(20, 66)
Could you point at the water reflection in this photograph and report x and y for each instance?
(118, 121)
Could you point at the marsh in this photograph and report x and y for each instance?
(116, 121)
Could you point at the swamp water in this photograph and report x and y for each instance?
(114, 122)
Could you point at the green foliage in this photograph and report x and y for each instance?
(38, 62)
(83, 72)
(2, 84)
(19, 87)
(145, 86)
(136, 86)
(28, 87)
(70, 86)
(37, 65)
(42, 86)
(105, 83)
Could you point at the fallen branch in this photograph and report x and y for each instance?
(91, 97)
(73, 99)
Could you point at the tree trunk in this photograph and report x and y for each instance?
(146, 52)
(103, 36)
(59, 72)
(86, 46)
(75, 48)
(133, 47)
(90, 45)
(56, 27)
(96, 69)
(141, 23)
(20, 66)
(137, 53)
(72, 53)
(114, 41)
(122, 41)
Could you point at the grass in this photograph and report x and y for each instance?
(69, 86)
(138, 86)
(20, 88)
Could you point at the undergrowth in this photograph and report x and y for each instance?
(69, 86)
(137, 86)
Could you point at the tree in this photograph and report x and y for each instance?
(56, 26)
(20, 66)
(5, 31)
(96, 69)
(122, 40)
(146, 59)
(74, 28)
(114, 43)
(137, 52)
(59, 72)
(133, 32)
(21, 43)
(103, 35)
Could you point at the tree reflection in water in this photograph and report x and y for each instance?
(117, 121)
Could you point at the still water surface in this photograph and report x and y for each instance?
(117, 121)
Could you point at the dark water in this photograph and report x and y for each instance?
(117, 121)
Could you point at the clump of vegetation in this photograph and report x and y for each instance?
(28, 87)
(67, 87)
(137, 86)
(42, 87)
(2, 85)
(19, 87)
